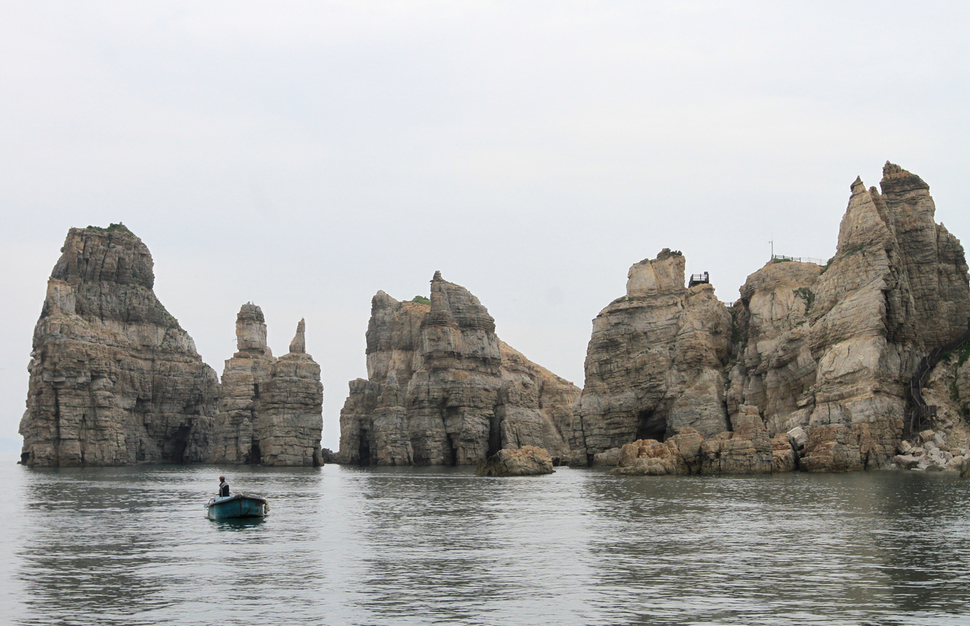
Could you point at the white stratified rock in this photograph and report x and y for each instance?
(442, 388)
(272, 409)
(655, 362)
(835, 355)
(662, 275)
(114, 379)
(822, 352)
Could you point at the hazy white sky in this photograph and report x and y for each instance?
(304, 155)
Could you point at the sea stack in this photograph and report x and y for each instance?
(442, 389)
(272, 409)
(655, 362)
(114, 380)
(812, 368)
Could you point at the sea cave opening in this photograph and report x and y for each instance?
(451, 451)
(651, 426)
(363, 448)
(494, 435)
(180, 441)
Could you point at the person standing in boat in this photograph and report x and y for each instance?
(223, 487)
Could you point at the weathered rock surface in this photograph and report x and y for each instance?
(679, 454)
(896, 288)
(525, 461)
(655, 362)
(810, 369)
(745, 450)
(442, 389)
(290, 423)
(272, 409)
(823, 352)
(649, 457)
(114, 379)
(945, 446)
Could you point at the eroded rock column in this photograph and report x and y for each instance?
(114, 379)
(272, 409)
(444, 390)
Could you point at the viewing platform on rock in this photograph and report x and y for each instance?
(699, 279)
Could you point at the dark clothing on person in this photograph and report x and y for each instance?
(224, 489)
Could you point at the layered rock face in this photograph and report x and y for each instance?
(837, 358)
(114, 379)
(272, 409)
(291, 420)
(826, 352)
(442, 389)
(655, 362)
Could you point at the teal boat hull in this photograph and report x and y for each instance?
(237, 506)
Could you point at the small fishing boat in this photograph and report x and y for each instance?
(239, 505)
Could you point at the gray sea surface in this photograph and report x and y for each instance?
(346, 545)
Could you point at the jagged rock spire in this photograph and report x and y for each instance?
(251, 330)
(270, 409)
(298, 345)
(442, 388)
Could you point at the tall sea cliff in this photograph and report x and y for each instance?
(812, 368)
(115, 380)
(860, 362)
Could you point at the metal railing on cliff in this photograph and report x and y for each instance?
(798, 259)
(921, 410)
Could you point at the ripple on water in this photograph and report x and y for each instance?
(440, 545)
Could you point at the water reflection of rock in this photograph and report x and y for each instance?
(383, 545)
(132, 545)
(445, 545)
(803, 547)
(411, 560)
(923, 542)
(80, 556)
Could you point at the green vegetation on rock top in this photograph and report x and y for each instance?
(119, 227)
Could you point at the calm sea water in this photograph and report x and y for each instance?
(441, 546)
